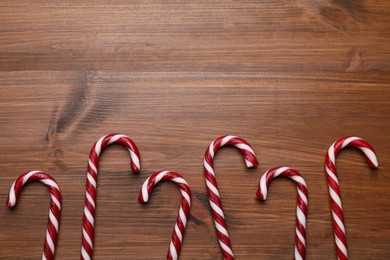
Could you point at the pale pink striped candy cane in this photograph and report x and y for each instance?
(300, 230)
(184, 211)
(334, 189)
(53, 224)
(90, 195)
(212, 187)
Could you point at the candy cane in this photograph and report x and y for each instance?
(334, 189)
(90, 195)
(212, 187)
(53, 224)
(300, 230)
(184, 211)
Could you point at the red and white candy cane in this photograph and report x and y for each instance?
(212, 187)
(53, 224)
(184, 211)
(300, 230)
(334, 189)
(90, 195)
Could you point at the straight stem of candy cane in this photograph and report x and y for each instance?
(53, 224)
(184, 211)
(334, 188)
(90, 195)
(302, 200)
(212, 187)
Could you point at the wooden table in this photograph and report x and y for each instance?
(290, 77)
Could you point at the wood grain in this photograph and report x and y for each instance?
(288, 76)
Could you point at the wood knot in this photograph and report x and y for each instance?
(336, 17)
(356, 62)
(56, 153)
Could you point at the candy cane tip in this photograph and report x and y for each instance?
(374, 164)
(250, 164)
(135, 167)
(141, 199)
(260, 196)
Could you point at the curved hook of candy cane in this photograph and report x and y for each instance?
(302, 200)
(334, 189)
(90, 194)
(184, 211)
(55, 207)
(212, 187)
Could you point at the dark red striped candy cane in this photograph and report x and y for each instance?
(184, 211)
(334, 188)
(53, 224)
(212, 187)
(90, 194)
(302, 200)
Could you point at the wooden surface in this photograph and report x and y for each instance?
(290, 77)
